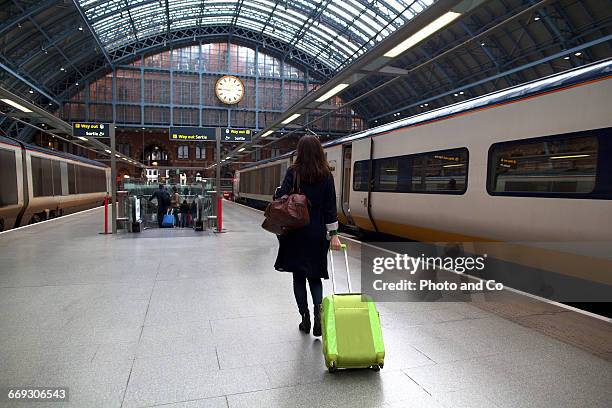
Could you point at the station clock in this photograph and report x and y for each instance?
(229, 89)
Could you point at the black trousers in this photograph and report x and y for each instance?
(301, 297)
(160, 215)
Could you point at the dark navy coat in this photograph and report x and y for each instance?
(163, 200)
(304, 250)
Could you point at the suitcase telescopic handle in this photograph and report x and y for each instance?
(344, 249)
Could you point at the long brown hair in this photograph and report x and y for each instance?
(310, 162)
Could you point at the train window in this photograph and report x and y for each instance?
(361, 175)
(57, 178)
(440, 172)
(90, 180)
(81, 181)
(387, 174)
(559, 166)
(72, 179)
(42, 177)
(8, 181)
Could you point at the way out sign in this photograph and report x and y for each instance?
(192, 134)
(83, 129)
(236, 135)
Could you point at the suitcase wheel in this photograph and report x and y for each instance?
(376, 367)
(332, 368)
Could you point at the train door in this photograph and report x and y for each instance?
(360, 184)
(346, 184)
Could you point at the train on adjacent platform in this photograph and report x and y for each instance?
(38, 184)
(531, 163)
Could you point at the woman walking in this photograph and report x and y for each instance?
(303, 251)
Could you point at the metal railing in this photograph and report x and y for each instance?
(139, 213)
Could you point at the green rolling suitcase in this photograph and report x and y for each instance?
(352, 336)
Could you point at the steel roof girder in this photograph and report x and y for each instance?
(506, 73)
(44, 33)
(26, 14)
(31, 84)
(70, 31)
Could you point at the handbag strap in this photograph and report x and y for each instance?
(296, 182)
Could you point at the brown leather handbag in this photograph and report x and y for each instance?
(287, 212)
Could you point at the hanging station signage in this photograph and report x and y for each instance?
(205, 134)
(83, 129)
(192, 134)
(236, 135)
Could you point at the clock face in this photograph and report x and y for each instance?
(229, 89)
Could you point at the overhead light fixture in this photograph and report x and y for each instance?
(571, 156)
(268, 133)
(16, 105)
(80, 28)
(31, 91)
(107, 151)
(241, 149)
(83, 138)
(228, 157)
(537, 18)
(125, 159)
(332, 92)
(126, 176)
(116, 155)
(154, 163)
(62, 69)
(566, 57)
(578, 54)
(291, 118)
(452, 165)
(423, 33)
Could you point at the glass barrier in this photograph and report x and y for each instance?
(140, 207)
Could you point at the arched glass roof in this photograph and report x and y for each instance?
(333, 31)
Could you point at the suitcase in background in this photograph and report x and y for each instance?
(352, 336)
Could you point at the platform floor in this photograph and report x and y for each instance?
(180, 319)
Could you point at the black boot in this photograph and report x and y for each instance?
(305, 325)
(316, 328)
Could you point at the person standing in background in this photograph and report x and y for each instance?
(163, 202)
(184, 213)
(175, 202)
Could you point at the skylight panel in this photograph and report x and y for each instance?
(326, 33)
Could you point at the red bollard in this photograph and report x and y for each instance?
(219, 214)
(106, 215)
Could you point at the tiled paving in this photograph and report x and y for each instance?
(203, 320)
